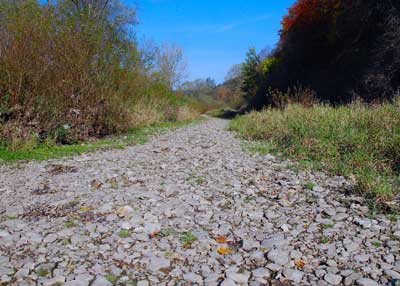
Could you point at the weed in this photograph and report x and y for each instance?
(112, 278)
(42, 272)
(377, 243)
(124, 233)
(309, 186)
(324, 240)
(196, 179)
(394, 217)
(70, 224)
(328, 226)
(188, 238)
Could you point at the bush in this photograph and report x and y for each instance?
(71, 70)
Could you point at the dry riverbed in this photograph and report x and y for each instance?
(188, 208)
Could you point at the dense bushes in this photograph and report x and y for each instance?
(340, 49)
(357, 140)
(73, 69)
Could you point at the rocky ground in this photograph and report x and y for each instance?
(189, 208)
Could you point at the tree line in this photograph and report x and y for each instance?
(330, 50)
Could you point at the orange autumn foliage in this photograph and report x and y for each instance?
(306, 12)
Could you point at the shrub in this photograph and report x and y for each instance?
(72, 69)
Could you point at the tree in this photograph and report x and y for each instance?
(199, 87)
(251, 76)
(236, 71)
(171, 65)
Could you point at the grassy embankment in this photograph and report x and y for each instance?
(361, 142)
(44, 151)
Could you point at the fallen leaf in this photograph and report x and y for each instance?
(300, 263)
(154, 234)
(85, 209)
(96, 184)
(225, 251)
(221, 239)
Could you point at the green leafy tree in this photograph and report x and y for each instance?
(251, 74)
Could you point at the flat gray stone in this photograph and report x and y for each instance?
(293, 275)
(101, 281)
(366, 282)
(333, 279)
(278, 257)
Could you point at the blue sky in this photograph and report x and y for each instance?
(215, 34)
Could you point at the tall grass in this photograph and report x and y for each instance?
(357, 140)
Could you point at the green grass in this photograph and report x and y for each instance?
(44, 152)
(377, 243)
(324, 240)
(357, 141)
(195, 179)
(42, 272)
(188, 238)
(112, 278)
(70, 224)
(124, 233)
(309, 186)
(328, 226)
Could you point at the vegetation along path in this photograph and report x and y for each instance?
(189, 208)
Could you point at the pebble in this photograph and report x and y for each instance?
(366, 282)
(333, 279)
(392, 274)
(261, 272)
(101, 281)
(279, 257)
(192, 277)
(50, 238)
(56, 281)
(293, 275)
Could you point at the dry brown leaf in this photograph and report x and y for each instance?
(225, 251)
(96, 184)
(300, 263)
(154, 234)
(221, 239)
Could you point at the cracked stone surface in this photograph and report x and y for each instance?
(188, 208)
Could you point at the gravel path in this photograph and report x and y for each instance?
(188, 208)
